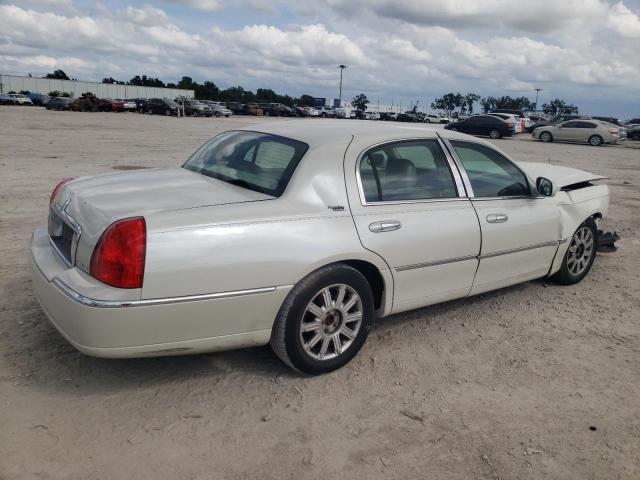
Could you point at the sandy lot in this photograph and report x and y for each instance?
(533, 381)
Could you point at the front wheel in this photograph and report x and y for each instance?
(324, 321)
(595, 140)
(546, 137)
(494, 133)
(580, 255)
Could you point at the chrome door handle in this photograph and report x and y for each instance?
(385, 226)
(497, 218)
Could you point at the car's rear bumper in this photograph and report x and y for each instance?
(117, 328)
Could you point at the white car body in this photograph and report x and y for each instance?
(129, 104)
(21, 99)
(372, 116)
(312, 112)
(221, 259)
(517, 121)
(581, 130)
(432, 118)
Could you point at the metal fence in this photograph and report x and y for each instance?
(12, 83)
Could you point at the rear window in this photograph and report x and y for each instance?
(253, 160)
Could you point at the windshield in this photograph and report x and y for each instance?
(253, 160)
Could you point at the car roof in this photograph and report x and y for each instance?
(321, 132)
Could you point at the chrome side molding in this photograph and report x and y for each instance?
(92, 302)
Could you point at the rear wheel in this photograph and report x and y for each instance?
(324, 320)
(217, 114)
(595, 140)
(546, 137)
(494, 133)
(453, 129)
(580, 255)
(635, 136)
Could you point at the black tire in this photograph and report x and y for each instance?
(564, 276)
(635, 136)
(545, 136)
(494, 133)
(217, 114)
(286, 337)
(595, 140)
(453, 129)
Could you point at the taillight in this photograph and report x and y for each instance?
(118, 259)
(511, 125)
(614, 131)
(57, 189)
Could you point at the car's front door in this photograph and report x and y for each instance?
(409, 206)
(569, 131)
(520, 230)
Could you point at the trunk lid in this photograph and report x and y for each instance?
(96, 202)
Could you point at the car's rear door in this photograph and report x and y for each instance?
(569, 131)
(520, 230)
(409, 206)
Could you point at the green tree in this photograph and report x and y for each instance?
(58, 75)
(448, 103)
(557, 107)
(307, 101)
(360, 101)
(469, 99)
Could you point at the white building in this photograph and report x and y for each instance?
(13, 83)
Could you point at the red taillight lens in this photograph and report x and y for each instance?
(614, 131)
(511, 125)
(57, 189)
(118, 259)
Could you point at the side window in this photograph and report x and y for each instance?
(571, 125)
(490, 173)
(586, 125)
(413, 170)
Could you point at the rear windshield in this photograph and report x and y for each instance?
(253, 160)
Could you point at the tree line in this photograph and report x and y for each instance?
(451, 103)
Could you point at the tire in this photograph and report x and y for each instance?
(167, 112)
(576, 264)
(545, 137)
(453, 129)
(150, 112)
(494, 133)
(595, 140)
(217, 114)
(635, 136)
(304, 351)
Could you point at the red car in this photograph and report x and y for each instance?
(109, 105)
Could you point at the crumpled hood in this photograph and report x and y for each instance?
(560, 176)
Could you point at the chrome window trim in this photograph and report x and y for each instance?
(459, 166)
(467, 182)
(553, 243)
(454, 173)
(92, 302)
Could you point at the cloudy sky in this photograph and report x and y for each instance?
(584, 51)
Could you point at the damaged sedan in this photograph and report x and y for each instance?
(301, 237)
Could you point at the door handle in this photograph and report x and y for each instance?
(497, 218)
(385, 226)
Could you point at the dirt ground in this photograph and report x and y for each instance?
(533, 381)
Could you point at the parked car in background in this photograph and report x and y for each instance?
(634, 121)
(21, 99)
(236, 107)
(517, 121)
(253, 109)
(433, 118)
(325, 112)
(141, 105)
(406, 117)
(110, 105)
(613, 120)
(194, 108)
(593, 132)
(633, 132)
(39, 99)
(312, 112)
(129, 104)
(87, 102)
(227, 251)
(59, 103)
(162, 106)
(555, 120)
(372, 116)
(300, 111)
(488, 125)
(219, 110)
(6, 99)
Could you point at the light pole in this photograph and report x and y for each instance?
(341, 67)
(538, 90)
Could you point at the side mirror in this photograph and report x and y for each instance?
(545, 187)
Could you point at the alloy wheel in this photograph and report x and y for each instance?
(580, 252)
(331, 321)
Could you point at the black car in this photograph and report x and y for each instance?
(406, 117)
(634, 121)
(613, 120)
(237, 108)
(58, 103)
(276, 110)
(141, 105)
(633, 133)
(162, 106)
(488, 125)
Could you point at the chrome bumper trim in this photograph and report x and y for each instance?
(92, 302)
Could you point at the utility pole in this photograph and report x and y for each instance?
(538, 90)
(341, 67)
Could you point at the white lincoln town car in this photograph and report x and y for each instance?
(300, 235)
